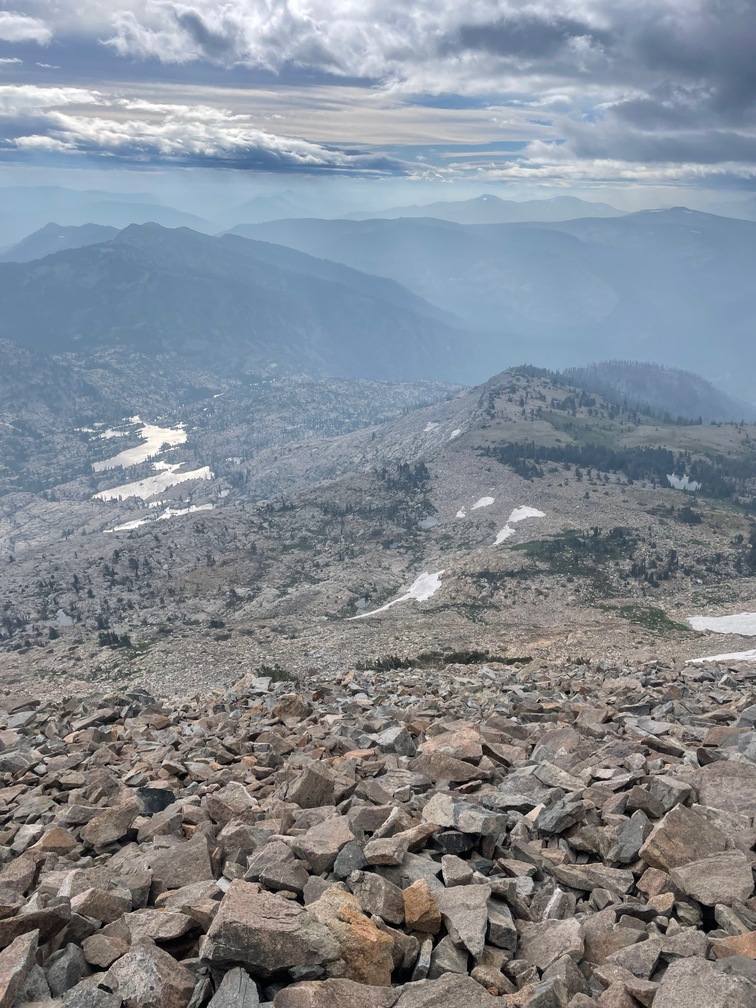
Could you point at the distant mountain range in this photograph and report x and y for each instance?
(489, 209)
(672, 286)
(226, 303)
(26, 208)
(56, 238)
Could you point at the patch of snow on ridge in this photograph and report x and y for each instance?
(683, 482)
(483, 502)
(461, 513)
(455, 434)
(167, 476)
(505, 533)
(176, 512)
(421, 589)
(429, 427)
(744, 656)
(129, 525)
(743, 624)
(154, 438)
(519, 514)
(167, 514)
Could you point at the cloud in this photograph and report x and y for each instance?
(15, 27)
(619, 84)
(76, 122)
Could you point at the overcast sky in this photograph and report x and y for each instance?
(565, 93)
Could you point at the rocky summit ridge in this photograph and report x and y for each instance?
(463, 836)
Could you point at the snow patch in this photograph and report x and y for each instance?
(743, 624)
(63, 619)
(421, 589)
(429, 427)
(454, 434)
(744, 656)
(176, 512)
(683, 482)
(165, 516)
(154, 438)
(483, 502)
(167, 476)
(461, 513)
(108, 434)
(519, 514)
(129, 525)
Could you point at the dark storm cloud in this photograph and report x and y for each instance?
(525, 36)
(218, 46)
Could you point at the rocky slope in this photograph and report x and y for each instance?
(574, 836)
(521, 518)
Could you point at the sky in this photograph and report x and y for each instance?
(567, 95)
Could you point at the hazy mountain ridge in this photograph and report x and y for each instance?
(154, 290)
(660, 390)
(675, 285)
(26, 208)
(56, 238)
(490, 209)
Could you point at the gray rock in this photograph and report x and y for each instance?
(551, 993)
(82, 996)
(501, 926)
(455, 871)
(378, 896)
(697, 983)
(265, 933)
(447, 958)
(335, 994)
(464, 910)
(542, 943)
(449, 991)
(16, 962)
(682, 836)
(725, 878)
(729, 786)
(320, 844)
(595, 876)
(148, 977)
(350, 858)
(237, 990)
(65, 968)
(630, 838)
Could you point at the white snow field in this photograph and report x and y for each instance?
(154, 439)
(165, 516)
(129, 525)
(482, 502)
(422, 588)
(519, 514)
(683, 482)
(744, 656)
(177, 512)
(166, 476)
(741, 623)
